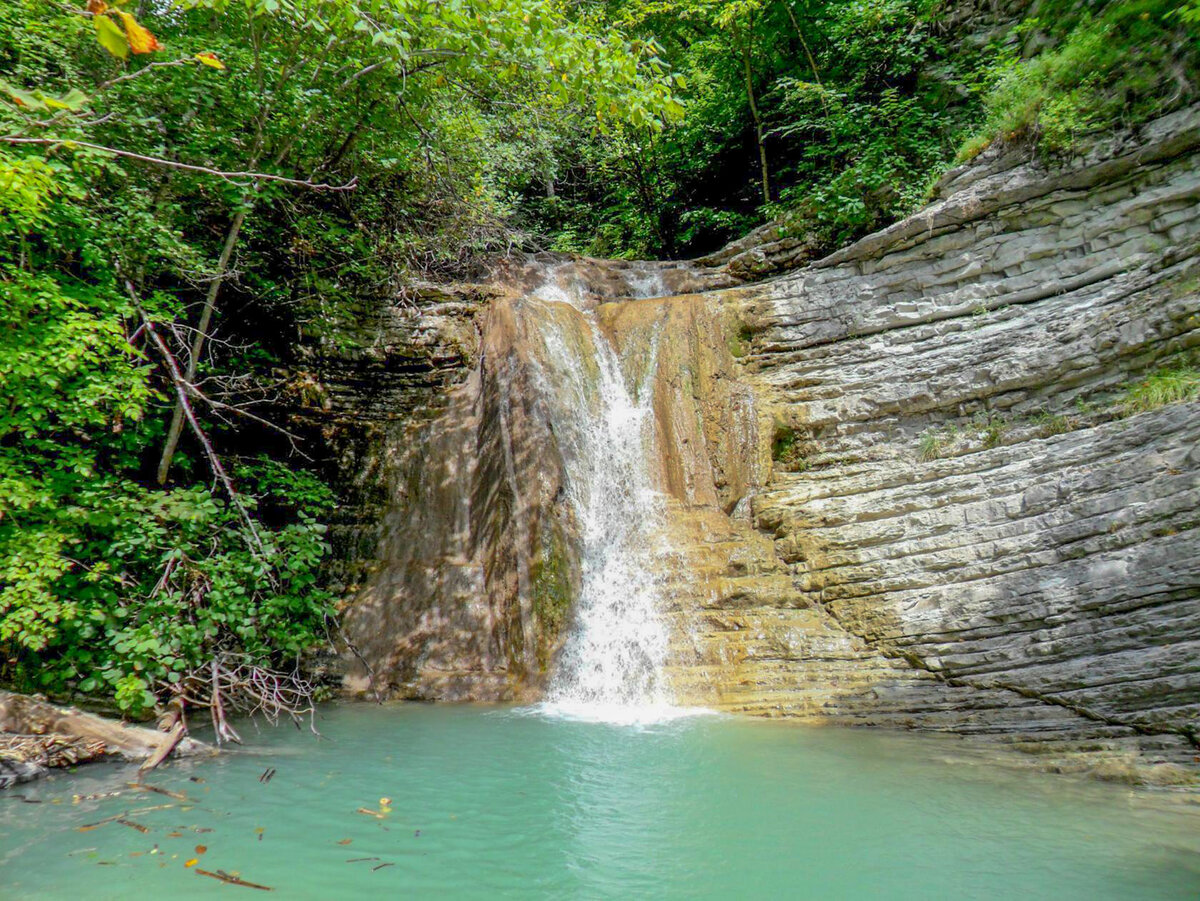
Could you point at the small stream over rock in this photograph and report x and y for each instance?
(528, 554)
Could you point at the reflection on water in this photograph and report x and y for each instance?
(490, 802)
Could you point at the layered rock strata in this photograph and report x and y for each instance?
(903, 488)
(966, 502)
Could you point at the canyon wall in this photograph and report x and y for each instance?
(969, 531)
(903, 485)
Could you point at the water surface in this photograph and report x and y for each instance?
(498, 803)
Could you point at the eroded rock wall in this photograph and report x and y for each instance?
(977, 536)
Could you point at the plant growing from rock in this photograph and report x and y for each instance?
(1177, 384)
(930, 447)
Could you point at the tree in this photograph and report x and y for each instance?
(150, 167)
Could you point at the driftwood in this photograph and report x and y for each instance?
(231, 879)
(173, 730)
(35, 734)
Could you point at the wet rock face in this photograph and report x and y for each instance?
(957, 492)
(464, 600)
(900, 487)
(365, 386)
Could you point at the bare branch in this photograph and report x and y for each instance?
(171, 164)
(129, 76)
(181, 392)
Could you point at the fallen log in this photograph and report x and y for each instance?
(35, 734)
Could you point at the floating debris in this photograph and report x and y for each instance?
(345, 841)
(360, 859)
(142, 786)
(192, 862)
(267, 776)
(88, 827)
(96, 796)
(232, 880)
(132, 825)
(381, 866)
(200, 849)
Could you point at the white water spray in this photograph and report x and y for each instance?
(612, 666)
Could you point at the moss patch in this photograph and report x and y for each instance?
(552, 595)
(788, 450)
(739, 339)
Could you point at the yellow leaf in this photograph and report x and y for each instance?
(97, 7)
(140, 39)
(210, 59)
(191, 863)
(111, 37)
(23, 98)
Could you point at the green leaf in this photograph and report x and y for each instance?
(24, 99)
(111, 37)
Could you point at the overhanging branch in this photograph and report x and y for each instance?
(171, 164)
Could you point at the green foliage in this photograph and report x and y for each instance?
(860, 105)
(107, 586)
(111, 584)
(1050, 424)
(1127, 63)
(930, 447)
(788, 450)
(1175, 384)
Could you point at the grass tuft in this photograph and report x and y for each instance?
(1168, 386)
(930, 447)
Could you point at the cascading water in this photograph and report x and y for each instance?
(525, 552)
(612, 665)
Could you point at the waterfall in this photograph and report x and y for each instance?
(611, 667)
(524, 551)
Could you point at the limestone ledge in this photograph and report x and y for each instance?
(974, 538)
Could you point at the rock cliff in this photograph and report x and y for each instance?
(903, 486)
(968, 534)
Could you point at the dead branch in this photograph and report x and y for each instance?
(175, 731)
(235, 683)
(171, 164)
(232, 880)
(225, 732)
(181, 392)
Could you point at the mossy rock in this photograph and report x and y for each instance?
(552, 595)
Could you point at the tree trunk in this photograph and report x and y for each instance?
(803, 43)
(758, 127)
(210, 302)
